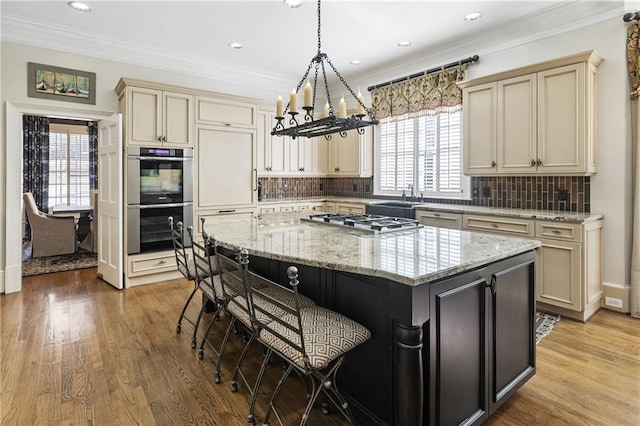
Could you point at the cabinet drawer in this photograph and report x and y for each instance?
(225, 112)
(206, 214)
(266, 209)
(559, 231)
(441, 220)
(350, 208)
(152, 264)
(499, 225)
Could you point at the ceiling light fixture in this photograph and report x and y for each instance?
(330, 123)
(404, 43)
(293, 3)
(355, 62)
(82, 7)
(236, 45)
(472, 16)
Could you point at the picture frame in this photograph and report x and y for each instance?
(60, 84)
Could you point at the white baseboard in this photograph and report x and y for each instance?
(617, 292)
(2, 281)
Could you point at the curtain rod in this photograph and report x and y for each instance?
(628, 17)
(469, 60)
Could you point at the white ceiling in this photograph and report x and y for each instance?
(193, 37)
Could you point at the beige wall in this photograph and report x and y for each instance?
(610, 188)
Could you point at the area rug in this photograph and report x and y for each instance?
(544, 324)
(46, 265)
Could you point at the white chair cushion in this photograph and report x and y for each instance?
(327, 336)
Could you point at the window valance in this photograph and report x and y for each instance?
(426, 94)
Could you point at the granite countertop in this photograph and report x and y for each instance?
(554, 215)
(410, 257)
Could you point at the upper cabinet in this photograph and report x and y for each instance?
(225, 112)
(156, 117)
(351, 156)
(533, 120)
(270, 149)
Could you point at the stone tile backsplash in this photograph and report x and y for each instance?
(565, 193)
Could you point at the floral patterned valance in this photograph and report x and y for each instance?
(633, 60)
(424, 95)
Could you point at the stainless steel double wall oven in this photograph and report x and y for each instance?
(159, 185)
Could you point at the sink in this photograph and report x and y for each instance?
(392, 208)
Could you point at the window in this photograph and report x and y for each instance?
(424, 153)
(68, 165)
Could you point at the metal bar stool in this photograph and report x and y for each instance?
(312, 340)
(187, 267)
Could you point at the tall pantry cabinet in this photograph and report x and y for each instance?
(220, 128)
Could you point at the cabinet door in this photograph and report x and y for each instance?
(144, 117)
(457, 363)
(559, 274)
(226, 175)
(561, 119)
(263, 143)
(512, 319)
(344, 154)
(320, 161)
(479, 124)
(296, 155)
(178, 116)
(224, 112)
(517, 125)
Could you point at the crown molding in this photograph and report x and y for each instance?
(32, 33)
(555, 20)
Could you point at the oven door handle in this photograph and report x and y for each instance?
(136, 157)
(158, 206)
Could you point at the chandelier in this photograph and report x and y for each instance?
(330, 122)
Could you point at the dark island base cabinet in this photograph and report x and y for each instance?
(481, 343)
(443, 353)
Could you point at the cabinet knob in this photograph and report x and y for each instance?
(533, 162)
(539, 162)
(227, 124)
(159, 138)
(493, 164)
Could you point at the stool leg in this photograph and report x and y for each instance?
(222, 348)
(251, 419)
(276, 392)
(184, 309)
(234, 380)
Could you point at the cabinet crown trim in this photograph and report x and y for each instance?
(125, 81)
(591, 56)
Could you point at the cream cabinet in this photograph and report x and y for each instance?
(352, 155)
(568, 264)
(534, 120)
(271, 150)
(156, 117)
(225, 168)
(354, 208)
(222, 111)
(308, 156)
(439, 219)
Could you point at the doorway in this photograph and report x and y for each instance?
(13, 166)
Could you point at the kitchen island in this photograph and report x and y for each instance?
(451, 313)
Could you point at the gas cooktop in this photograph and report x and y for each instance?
(369, 222)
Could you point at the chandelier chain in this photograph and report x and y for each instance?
(319, 34)
(347, 86)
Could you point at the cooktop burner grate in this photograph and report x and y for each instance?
(371, 222)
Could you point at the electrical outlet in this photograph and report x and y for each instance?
(476, 191)
(563, 195)
(367, 188)
(355, 188)
(613, 302)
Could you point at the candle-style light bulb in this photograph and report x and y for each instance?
(279, 106)
(360, 103)
(308, 95)
(326, 109)
(342, 108)
(293, 101)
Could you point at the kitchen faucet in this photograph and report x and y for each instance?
(411, 188)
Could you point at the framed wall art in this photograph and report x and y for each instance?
(60, 84)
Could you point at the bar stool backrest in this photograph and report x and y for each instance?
(177, 236)
(202, 263)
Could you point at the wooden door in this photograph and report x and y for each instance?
(110, 201)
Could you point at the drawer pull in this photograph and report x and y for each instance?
(494, 225)
(227, 211)
(162, 262)
(436, 214)
(555, 231)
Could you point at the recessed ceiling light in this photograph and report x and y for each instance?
(472, 16)
(293, 3)
(355, 62)
(404, 43)
(236, 45)
(79, 6)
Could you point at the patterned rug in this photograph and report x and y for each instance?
(46, 265)
(544, 324)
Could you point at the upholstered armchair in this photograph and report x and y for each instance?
(50, 235)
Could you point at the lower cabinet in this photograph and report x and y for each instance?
(151, 267)
(494, 313)
(350, 208)
(439, 219)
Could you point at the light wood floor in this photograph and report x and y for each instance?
(75, 351)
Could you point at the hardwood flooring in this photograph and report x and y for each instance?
(77, 352)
